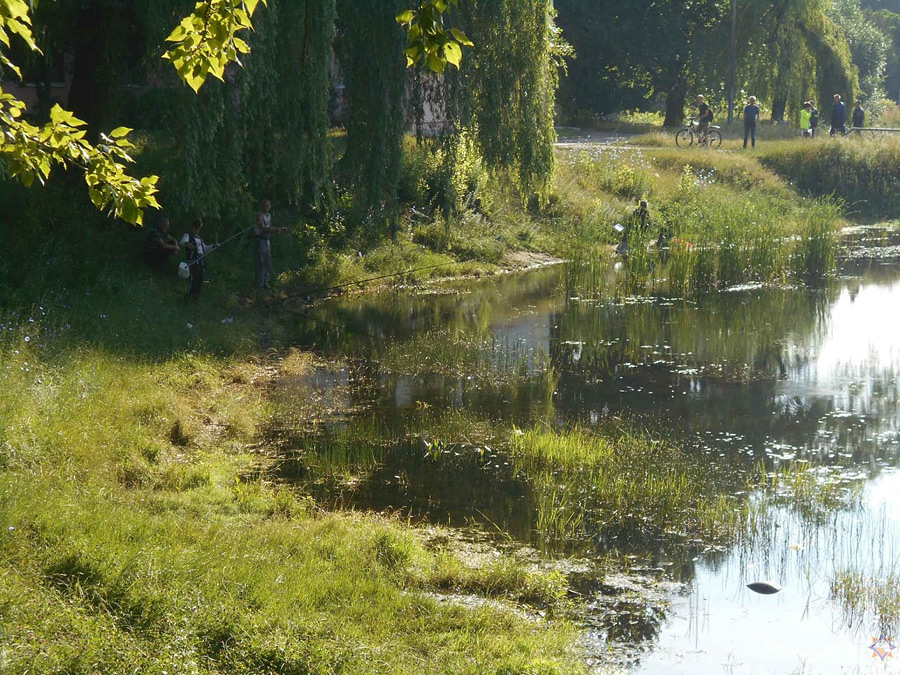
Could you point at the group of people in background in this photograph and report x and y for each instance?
(809, 118)
(158, 246)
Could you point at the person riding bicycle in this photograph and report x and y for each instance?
(703, 118)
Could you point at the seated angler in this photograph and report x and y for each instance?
(158, 245)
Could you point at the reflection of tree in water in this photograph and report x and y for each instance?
(357, 324)
(709, 366)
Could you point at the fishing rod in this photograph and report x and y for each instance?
(184, 266)
(316, 291)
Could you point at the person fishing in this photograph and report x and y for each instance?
(195, 251)
(637, 227)
(264, 231)
(158, 245)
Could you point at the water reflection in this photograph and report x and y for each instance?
(754, 375)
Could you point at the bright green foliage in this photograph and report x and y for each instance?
(428, 40)
(15, 19)
(31, 152)
(206, 41)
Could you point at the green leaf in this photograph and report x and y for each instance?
(435, 63)
(119, 132)
(461, 38)
(453, 53)
(405, 16)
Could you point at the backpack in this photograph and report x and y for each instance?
(814, 118)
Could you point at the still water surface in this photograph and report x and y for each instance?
(750, 377)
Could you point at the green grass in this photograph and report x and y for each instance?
(861, 171)
(137, 533)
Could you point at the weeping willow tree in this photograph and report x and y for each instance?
(263, 131)
(370, 48)
(794, 52)
(508, 88)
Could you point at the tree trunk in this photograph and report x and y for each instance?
(779, 104)
(675, 105)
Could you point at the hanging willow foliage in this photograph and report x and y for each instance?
(370, 48)
(264, 130)
(509, 87)
(286, 91)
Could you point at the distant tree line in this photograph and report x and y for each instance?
(653, 54)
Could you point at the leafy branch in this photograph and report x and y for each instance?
(31, 152)
(428, 40)
(206, 40)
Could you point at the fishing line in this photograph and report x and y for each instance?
(316, 291)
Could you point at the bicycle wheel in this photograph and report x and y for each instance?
(684, 138)
(714, 138)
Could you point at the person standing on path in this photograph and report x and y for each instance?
(838, 116)
(805, 114)
(264, 231)
(859, 116)
(751, 114)
(195, 253)
(813, 119)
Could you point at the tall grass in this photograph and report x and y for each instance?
(625, 484)
(861, 171)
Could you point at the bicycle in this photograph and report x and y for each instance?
(684, 137)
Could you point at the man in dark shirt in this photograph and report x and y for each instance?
(838, 116)
(158, 245)
(751, 114)
(859, 116)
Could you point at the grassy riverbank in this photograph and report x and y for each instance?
(141, 520)
(140, 530)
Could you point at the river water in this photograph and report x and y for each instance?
(750, 379)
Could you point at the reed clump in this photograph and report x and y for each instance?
(628, 485)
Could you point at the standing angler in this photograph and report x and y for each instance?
(264, 231)
(751, 114)
(195, 251)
